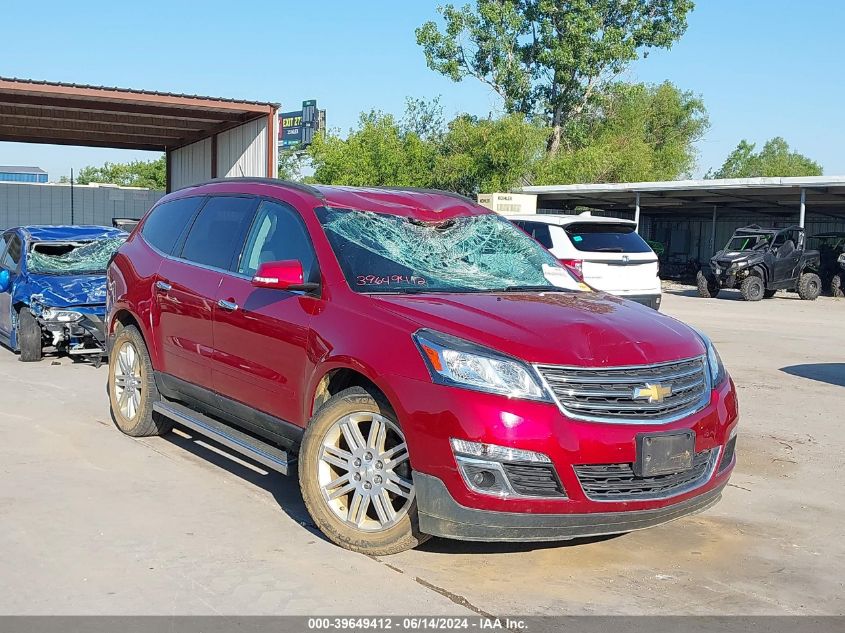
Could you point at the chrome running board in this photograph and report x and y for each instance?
(262, 452)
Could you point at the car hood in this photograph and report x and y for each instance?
(586, 329)
(736, 256)
(63, 291)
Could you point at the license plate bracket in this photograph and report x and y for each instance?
(664, 453)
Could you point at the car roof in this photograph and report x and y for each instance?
(562, 220)
(47, 233)
(425, 204)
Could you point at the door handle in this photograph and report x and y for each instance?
(229, 306)
(163, 286)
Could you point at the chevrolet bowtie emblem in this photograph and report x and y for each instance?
(654, 393)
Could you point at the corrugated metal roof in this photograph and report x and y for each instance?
(691, 185)
(61, 84)
(34, 111)
(781, 195)
(17, 169)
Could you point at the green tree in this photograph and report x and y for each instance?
(631, 133)
(775, 159)
(151, 174)
(379, 151)
(549, 57)
(290, 164)
(478, 155)
(466, 155)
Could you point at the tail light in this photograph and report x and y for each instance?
(575, 266)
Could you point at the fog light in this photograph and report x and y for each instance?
(484, 477)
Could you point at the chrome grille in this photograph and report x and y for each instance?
(617, 482)
(607, 394)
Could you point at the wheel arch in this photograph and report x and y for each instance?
(338, 376)
(762, 271)
(120, 317)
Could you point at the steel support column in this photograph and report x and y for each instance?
(713, 232)
(637, 211)
(803, 208)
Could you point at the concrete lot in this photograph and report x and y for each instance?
(97, 523)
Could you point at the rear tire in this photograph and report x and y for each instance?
(809, 286)
(132, 389)
(768, 294)
(836, 286)
(29, 337)
(350, 472)
(708, 287)
(752, 288)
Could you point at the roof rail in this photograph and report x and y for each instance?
(290, 184)
(440, 192)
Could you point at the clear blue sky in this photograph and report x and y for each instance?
(763, 67)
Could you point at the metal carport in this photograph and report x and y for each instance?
(696, 217)
(203, 137)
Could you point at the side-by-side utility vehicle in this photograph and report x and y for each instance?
(831, 247)
(430, 368)
(762, 261)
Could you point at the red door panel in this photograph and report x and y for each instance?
(260, 341)
(183, 306)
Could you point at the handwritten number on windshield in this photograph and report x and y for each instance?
(390, 280)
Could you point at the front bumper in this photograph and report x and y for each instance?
(432, 414)
(440, 515)
(85, 336)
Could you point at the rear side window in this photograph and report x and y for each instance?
(538, 230)
(277, 234)
(218, 232)
(605, 237)
(12, 255)
(167, 222)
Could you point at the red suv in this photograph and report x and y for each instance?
(432, 369)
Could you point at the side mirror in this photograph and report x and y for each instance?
(5, 280)
(283, 275)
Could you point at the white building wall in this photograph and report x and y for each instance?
(190, 165)
(242, 151)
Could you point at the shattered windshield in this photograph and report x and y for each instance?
(67, 258)
(748, 242)
(390, 253)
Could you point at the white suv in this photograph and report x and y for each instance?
(606, 253)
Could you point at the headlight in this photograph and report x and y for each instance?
(62, 316)
(453, 361)
(842, 258)
(714, 361)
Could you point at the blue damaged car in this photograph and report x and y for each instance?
(53, 289)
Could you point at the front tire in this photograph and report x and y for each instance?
(752, 288)
(355, 475)
(836, 286)
(809, 286)
(29, 337)
(708, 287)
(132, 389)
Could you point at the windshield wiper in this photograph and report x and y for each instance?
(413, 290)
(529, 288)
(610, 249)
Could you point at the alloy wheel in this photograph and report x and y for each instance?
(127, 381)
(364, 473)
